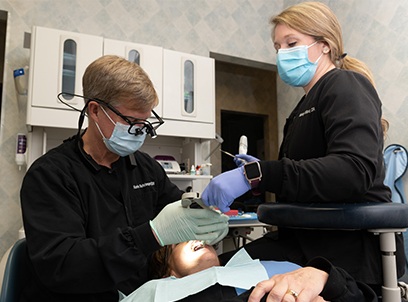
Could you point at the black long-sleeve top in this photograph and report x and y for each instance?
(340, 286)
(87, 226)
(332, 151)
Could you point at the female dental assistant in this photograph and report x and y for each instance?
(331, 150)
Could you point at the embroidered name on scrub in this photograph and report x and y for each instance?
(307, 112)
(141, 186)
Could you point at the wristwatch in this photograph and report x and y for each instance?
(253, 173)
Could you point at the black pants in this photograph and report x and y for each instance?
(218, 293)
(215, 293)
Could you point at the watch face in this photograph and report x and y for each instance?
(252, 170)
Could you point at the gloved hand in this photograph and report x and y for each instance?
(241, 159)
(175, 224)
(225, 188)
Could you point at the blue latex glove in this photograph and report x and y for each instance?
(225, 188)
(241, 159)
(175, 224)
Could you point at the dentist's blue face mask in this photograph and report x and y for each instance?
(121, 142)
(294, 66)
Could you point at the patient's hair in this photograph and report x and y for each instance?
(159, 264)
(317, 20)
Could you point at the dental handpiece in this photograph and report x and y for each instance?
(191, 203)
(193, 200)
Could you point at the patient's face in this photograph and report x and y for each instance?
(191, 257)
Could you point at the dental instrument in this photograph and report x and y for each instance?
(233, 156)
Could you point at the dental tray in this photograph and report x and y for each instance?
(244, 216)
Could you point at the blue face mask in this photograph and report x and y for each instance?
(294, 66)
(121, 142)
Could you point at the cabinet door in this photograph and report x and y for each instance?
(150, 58)
(188, 87)
(58, 61)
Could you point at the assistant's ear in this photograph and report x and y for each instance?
(326, 48)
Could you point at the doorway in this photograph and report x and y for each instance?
(233, 126)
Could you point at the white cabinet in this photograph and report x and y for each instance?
(188, 82)
(188, 95)
(58, 61)
(149, 57)
(185, 83)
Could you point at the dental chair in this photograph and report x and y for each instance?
(382, 219)
(16, 273)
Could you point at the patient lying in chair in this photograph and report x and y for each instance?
(191, 271)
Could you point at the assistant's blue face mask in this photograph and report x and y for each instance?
(121, 141)
(294, 66)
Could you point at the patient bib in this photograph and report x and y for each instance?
(240, 272)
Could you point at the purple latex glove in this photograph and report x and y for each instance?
(225, 188)
(242, 159)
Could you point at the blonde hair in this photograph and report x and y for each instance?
(317, 20)
(385, 125)
(116, 80)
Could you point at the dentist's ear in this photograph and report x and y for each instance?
(326, 50)
(93, 110)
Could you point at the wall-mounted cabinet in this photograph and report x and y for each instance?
(188, 94)
(57, 63)
(185, 83)
(188, 82)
